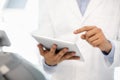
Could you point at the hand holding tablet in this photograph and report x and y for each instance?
(48, 42)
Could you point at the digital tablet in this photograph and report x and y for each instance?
(48, 42)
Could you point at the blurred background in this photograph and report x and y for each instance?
(18, 18)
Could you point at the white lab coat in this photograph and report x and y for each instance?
(59, 18)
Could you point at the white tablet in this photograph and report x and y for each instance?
(48, 42)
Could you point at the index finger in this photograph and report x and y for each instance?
(85, 28)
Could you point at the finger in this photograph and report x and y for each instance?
(53, 49)
(61, 53)
(96, 43)
(74, 58)
(40, 46)
(68, 55)
(93, 38)
(92, 32)
(86, 28)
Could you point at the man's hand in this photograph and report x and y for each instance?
(95, 37)
(52, 58)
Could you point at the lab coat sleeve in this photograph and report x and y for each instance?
(116, 61)
(116, 42)
(117, 52)
(47, 68)
(110, 58)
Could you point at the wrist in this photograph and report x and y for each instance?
(50, 64)
(107, 47)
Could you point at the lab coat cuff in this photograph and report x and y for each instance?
(110, 57)
(47, 68)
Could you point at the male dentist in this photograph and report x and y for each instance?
(97, 23)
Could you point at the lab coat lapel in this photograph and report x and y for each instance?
(92, 6)
(75, 9)
(65, 11)
(71, 9)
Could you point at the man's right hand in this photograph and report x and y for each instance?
(52, 58)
